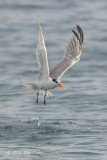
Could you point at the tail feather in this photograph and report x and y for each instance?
(45, 92)
(33, 87)
(49, 94)
(30, 86)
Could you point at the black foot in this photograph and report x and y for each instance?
(37, 101)
(37, 97)
(45, 99)
(44, 102)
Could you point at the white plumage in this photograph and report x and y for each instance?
(50, 80)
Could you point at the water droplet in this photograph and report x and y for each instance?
(38, 123)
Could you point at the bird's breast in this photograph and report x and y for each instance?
(47, 84)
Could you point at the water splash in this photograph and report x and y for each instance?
(35, 119)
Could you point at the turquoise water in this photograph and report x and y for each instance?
(73, 124)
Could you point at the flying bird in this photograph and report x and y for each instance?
(51, 79)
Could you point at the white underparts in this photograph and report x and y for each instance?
(33, 87)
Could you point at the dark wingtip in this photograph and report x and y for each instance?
(73, 31)
(76, 35)
(78, 27)
(81, 34)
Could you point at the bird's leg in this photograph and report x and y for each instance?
(37, 97)
(45, 99)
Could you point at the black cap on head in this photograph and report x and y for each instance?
(54, 80)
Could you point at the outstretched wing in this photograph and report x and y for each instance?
(71, 56)
(41, 54)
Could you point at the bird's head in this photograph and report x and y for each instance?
(58, 82)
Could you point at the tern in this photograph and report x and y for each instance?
(46, 79)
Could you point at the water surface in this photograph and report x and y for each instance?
(73, 124)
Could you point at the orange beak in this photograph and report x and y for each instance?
(60, 85)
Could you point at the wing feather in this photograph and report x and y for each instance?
(41, 54)
(71, 56)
